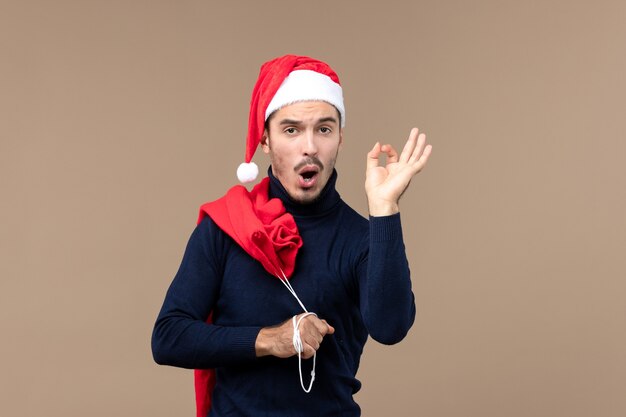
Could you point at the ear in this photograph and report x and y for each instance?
(340, 137)
(265, 142)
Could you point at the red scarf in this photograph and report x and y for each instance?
(262, 228)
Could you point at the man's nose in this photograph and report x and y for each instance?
(310, 143)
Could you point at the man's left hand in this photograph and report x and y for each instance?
(384, 185)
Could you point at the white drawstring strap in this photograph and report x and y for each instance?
(287, 284)
(297, 341)
(297, 344)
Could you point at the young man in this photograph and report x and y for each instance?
(280, 287)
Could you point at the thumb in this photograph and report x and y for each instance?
(331, 329)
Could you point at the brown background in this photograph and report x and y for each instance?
(119, 118)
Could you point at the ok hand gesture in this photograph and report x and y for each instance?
(384, 185)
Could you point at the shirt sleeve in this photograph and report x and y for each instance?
(182, 336)
(386, 300)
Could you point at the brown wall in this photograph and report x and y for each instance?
(119, 118)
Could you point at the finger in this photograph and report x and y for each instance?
(427, 151)
(409, 146)
(307, 352)
(392, 154)
(331, 329)
(372, 156)
(421, 162)
(313, 341)
(419, 148)
(322, 327)
(312, 328)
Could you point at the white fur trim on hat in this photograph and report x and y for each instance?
(305, 85)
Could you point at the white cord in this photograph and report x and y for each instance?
(297, 341)
(297, 344)
(287, 284)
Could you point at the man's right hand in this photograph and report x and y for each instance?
(278, 340)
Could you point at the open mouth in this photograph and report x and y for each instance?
(308, 175)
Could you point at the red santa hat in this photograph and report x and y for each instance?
(283, 81)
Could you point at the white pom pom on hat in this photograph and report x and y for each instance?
(247, 172)
(282, 81)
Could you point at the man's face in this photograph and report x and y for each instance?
(303, 140)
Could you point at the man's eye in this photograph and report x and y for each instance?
(325, 129)
(290, 130)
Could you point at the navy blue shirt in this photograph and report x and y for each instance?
(350, 271)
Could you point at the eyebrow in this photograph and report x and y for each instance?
(289, 122)
(327, 119)
(297, 122)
